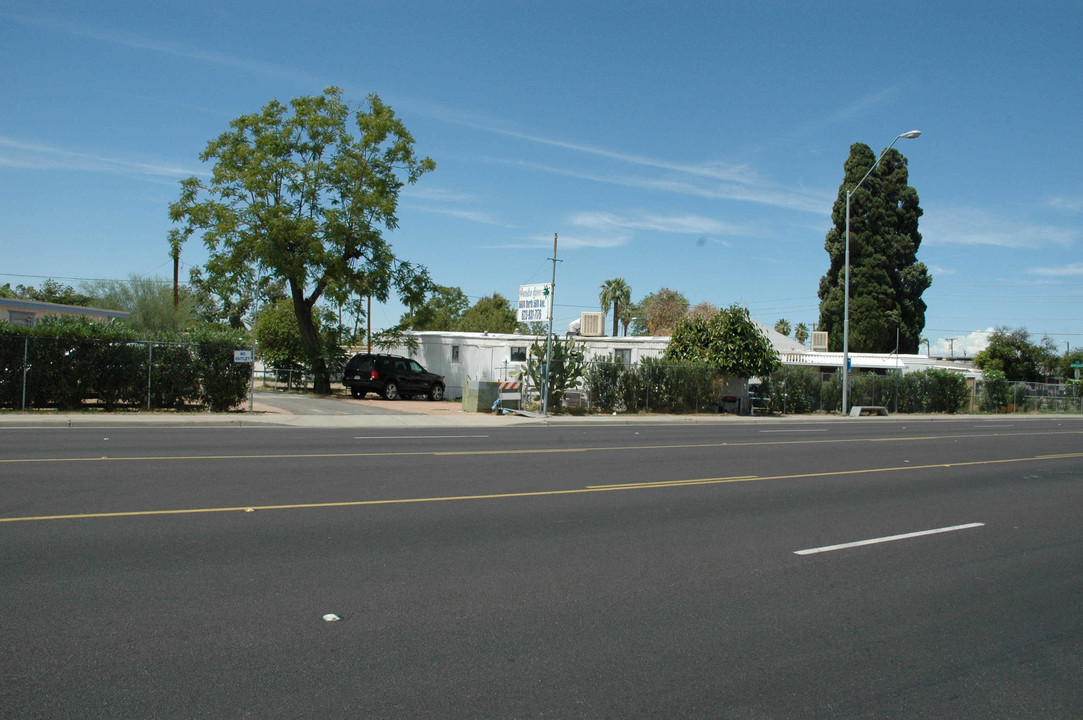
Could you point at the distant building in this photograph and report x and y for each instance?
(29, 313)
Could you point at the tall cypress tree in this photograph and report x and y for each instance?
(886, 279)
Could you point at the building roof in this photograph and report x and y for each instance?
(48, 308)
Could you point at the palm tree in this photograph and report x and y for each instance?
(800, 333)
(615, 292)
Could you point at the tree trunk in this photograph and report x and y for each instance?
(321, 375)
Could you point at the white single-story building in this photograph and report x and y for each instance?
(463, 357)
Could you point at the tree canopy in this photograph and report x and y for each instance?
(149, 302)
(279, 338)
(1012, 353)
(51, 291)
(886, 279)
(490, 314)
(441, 311)
(729, 342)
(664, 309)
(800, 333)
(296, 195)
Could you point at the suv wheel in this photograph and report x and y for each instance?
(391, 391)
(436, 393)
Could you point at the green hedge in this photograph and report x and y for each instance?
(651, 386)
(799, 390)
(70, 363)
(659, 386)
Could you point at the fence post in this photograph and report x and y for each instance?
(150, 369)
(26, 359)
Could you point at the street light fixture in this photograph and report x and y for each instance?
(910, 135)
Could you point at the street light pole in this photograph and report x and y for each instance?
(846, 290)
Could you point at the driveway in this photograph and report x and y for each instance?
(292, 403)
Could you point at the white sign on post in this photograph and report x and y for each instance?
(242, 356)
(534, 302)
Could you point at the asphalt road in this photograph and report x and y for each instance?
(770, 570)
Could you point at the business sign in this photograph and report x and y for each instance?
(242, 356)
(534, 305)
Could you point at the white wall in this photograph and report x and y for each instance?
(487, 356)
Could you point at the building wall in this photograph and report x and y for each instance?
(29, 313)
(462, 357)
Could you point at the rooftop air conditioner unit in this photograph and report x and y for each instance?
(819, 341)
(592, 324)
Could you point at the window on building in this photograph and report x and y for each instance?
(623, 355)
(17, 317)
(455, 353)
(518, 354)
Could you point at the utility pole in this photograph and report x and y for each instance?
(951, 345)
(549, 339)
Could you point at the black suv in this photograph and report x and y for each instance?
(390, 376)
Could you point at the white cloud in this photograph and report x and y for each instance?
(965, 346)
(793, 200)
(460, 213)
(712, 170)
(683, 224)
(1066, 203)
(1059, 271)
(167, 47)
(438, 194)
(940, 271)
(38, 156)
(606, 230)
(973, 226)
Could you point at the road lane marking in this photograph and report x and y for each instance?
(541, 493)
(889, 538)
(674, 483)
(793, 431)
(416, 437)
(525, 451)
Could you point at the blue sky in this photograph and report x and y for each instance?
(696, 146)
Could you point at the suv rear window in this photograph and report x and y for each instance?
(361, 364)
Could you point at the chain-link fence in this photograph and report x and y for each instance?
(74, 372)
(284, 378)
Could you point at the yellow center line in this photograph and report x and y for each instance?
(525, 451)
(542, 493)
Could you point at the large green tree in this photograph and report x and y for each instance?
(442, 310)
(1012, 353)
(886, 279)
(728, 342)
(298, 194)
(490, 314)
(617, 293)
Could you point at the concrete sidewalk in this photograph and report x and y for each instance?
(270, 409)
(270, 417)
